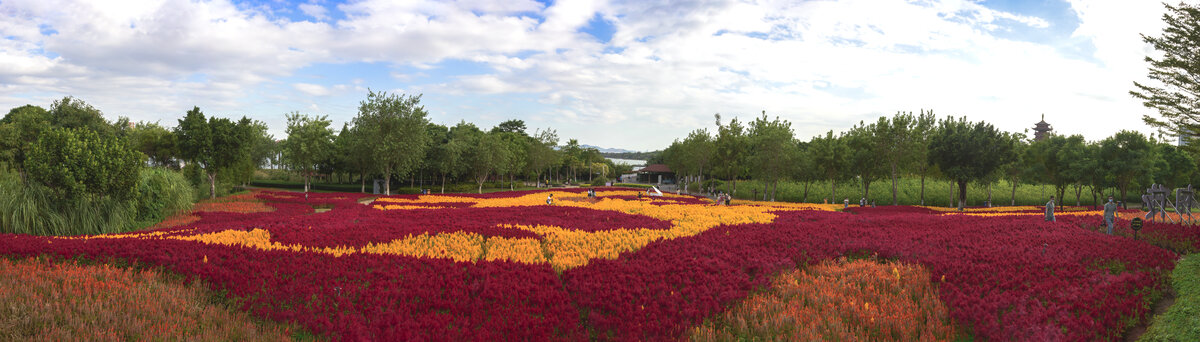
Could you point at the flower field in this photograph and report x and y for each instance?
(507, 266)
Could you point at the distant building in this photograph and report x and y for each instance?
(1041, 130)
(656, 173)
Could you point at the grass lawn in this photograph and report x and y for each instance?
(1182, 321)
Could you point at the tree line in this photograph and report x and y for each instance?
(924, 146)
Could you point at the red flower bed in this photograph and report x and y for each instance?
(1009, 277)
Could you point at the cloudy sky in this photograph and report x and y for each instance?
(623, 74)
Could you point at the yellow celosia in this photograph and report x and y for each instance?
(561, 247)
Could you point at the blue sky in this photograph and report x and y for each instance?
(622, 74)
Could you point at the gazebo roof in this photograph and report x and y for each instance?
(659, 168)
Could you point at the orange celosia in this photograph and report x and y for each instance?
(46, 301)
(838, 301)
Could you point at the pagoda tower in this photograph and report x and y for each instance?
(1041, 129)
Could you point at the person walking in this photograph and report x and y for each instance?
(1050, 210)
(1110, 214)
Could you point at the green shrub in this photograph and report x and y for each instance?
(161, 193)
(632, 185)
(599, 181)
(36, 209)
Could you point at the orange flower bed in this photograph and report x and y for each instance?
(838, 301)
(177, 220)
(106, 303)
(246, 203)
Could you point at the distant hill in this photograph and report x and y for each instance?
(649, 157)
(608, 150)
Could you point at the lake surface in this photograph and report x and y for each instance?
(633, 162)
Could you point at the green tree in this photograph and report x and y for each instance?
(309, 142)
(395, 128)
(70, 112)
(1077, 164)
(867, 161)
(156, 142)
(967, 152)
(542, 155)
(772, 152)
(1174, 167)
(1129, 159)
(923, 131)
(511, 126)
(516, 146)
(730, 151)
(214, 144)
(830, 158)
(1015, 169)
(79, 162)
(355, 151)
(895, 141)
(1175, 74)
(1046, 165)
(19, 131)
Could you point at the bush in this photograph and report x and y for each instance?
(78, 162)
(632, 185)
(599, 181)
(36, 209)
(162, 193)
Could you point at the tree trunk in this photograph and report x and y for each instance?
(895, 200)
(363, 178)
(765, 186)
(922, 188)
(1123, 204)
(962, 194)
(952, 197)
(989, 195)
(443, 182)
(387, 181)
(1014, 193)
(866, 189)
(212, 185)
(806, 184)
(774, 187)
(833, 191)
(1078, 191)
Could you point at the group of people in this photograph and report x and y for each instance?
(1110, 213)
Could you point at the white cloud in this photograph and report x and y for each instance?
(668, 67)
(314, 10)
(311, 89)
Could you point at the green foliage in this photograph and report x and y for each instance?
(71, 112)
(36, 209)
(773, 153)
(19, 130)
(309, 143)
(78, 162)
(1181, 322)
(395, 128)
(162, 193)
(599, 181)
(1128, 159)
(217, 144)
(829, 155)
(156, 142)
(511, 126)
(1175, 72)
(731, 147)
(967, 152)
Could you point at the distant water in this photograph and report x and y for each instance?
(632, 162)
